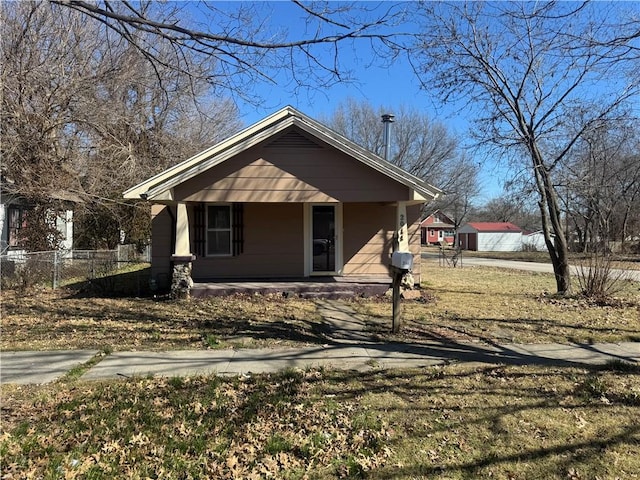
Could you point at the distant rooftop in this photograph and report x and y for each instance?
(494, 227)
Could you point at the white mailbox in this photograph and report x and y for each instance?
(402, 260)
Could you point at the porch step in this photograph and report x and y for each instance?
(328, 295)
(329, 290)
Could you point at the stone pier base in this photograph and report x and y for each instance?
(407, 281)
(181, 281)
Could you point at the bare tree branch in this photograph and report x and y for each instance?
(241, 50)
(527, 68)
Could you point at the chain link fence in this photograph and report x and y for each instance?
(106, 271)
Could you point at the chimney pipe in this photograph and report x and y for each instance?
(387, 119)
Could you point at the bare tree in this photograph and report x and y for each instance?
(419, 145)
(525, 69)
(603, 185)
(98, 95)
(85, 114)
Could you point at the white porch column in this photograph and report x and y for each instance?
(402, 232)
(182, 248)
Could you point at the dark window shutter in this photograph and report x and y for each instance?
(237, 211)
(199, 230)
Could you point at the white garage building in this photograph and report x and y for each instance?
(490, 237)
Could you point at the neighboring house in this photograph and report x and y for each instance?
(13, 218)
(285, 198)
(534, 241)
(437, 228)
(490, 237)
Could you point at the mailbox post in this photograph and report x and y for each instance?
(401, 264)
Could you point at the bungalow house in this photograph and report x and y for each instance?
(285, 198)
(437, 228)
(13, 219)
(490, 237)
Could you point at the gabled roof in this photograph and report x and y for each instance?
(425, 223)
(10, 193)
(440, 220)
(494, 227)
(163, 182)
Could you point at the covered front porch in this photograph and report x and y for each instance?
(341, 249)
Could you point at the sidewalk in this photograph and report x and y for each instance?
(44, 367)
(347, 347)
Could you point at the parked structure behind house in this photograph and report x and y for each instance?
(14, 211)
(490, 237)
(534, 241)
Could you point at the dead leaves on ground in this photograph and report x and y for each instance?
(58, 320)
(269, 426)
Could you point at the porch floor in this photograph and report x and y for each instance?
(315, 287)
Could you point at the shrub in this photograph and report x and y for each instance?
(596, 276)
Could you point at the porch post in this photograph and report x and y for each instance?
(402, 232)
(399, 276)
(402, 245)
(182, 257)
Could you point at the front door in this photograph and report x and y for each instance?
(324, 232)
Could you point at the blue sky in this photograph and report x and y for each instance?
(387, 87)
(381, 85)
(378, 85)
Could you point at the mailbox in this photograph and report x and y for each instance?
(402, 260)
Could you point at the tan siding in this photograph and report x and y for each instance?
(275, 175)
(368, 233)
(273, 245)
(245, 196)
(368, 238)
(161, 233)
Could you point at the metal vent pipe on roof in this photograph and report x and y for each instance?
(387, 119)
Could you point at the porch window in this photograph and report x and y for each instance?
(219, 230)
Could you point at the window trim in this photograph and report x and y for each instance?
(229, 229)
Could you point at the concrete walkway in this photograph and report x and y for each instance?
(342, 324)
(45, 367)
(348, 347)
(40, 367)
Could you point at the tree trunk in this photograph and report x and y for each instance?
(552, 222)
